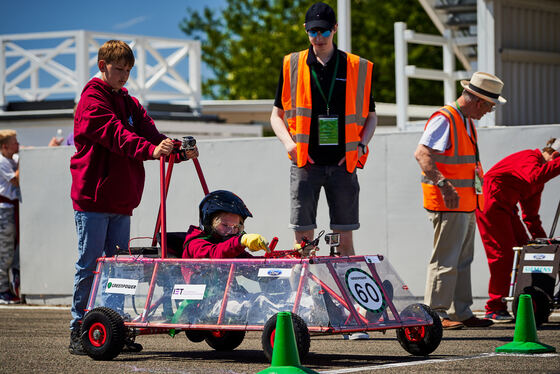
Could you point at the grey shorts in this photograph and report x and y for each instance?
(341, 189)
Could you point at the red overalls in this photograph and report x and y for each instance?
(518, 178)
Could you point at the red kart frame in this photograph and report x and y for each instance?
(315, 280)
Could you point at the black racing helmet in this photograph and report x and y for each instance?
(220, 201)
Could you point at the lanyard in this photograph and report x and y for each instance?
(473, 134)
(327, 101)
(475, 142)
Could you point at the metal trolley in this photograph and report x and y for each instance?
(536, 272)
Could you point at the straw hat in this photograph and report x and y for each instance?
(486, 86)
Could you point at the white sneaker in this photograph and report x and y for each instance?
(356, 336)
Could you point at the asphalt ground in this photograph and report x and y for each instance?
(35, 340)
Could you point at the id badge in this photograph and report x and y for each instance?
(477, 181)
(328, 130)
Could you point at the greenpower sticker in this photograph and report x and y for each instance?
(121, 286)
(365, 290)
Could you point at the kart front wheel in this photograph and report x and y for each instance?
(103, 333)
(420, 340)
(196, 336)
(224, 340)
(303, 339)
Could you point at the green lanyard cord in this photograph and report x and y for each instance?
(473, 135)
(327, 101)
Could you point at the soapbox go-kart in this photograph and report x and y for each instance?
(144, 290)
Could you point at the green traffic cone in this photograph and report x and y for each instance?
(285, 357)
(525, 336)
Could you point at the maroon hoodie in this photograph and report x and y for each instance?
(199, 245)
(113, 135)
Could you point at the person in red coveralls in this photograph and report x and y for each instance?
(518, 178)
(220, 234)
(113, 136)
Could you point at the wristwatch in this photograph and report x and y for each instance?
(440, 183)
(363, 146)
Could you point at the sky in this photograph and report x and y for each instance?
(159, 18)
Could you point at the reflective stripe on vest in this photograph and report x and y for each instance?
(457, 164)
(297, 102)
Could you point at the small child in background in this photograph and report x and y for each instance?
(10, 197)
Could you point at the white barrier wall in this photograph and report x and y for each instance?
(393, 222)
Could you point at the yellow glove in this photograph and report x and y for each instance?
(255, 242)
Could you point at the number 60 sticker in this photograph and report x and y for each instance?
(365, 290)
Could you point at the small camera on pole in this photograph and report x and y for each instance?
(181, 147)
(333, 240)
(188, 143)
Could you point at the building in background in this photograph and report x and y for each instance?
(516, 40)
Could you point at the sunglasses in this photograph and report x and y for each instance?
(324, 33)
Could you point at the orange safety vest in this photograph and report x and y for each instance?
(457, 164)
(296, 100)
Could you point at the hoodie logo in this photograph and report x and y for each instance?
(130, 121)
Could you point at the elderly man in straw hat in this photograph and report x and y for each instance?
(452, 186)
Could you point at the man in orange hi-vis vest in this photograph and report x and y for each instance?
(325, 96)
(452, 185)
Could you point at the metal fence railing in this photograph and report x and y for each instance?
(449, 76)
(37, 66)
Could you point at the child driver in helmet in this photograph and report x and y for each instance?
(220, 235)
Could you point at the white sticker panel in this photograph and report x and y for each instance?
(121, 286)
(365, 290)
(188, 292)
(274, 273)
(537, 269)
(539, 257)
(372, 259)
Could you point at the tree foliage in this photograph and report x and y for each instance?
(243, 45)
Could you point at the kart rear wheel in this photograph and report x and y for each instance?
(224, 340)
(303, 339)
(420, 340)
(541, 304)
(103, 333)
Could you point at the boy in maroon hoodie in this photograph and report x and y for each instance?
(113, 136)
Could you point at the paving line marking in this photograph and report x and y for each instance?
(434, 361)
(24, 306)
(138, 369)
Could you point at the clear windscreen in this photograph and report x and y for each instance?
(330, 294)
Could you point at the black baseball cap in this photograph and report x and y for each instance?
(320, 16)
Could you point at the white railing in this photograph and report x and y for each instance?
(37, 66)
(403, 71)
